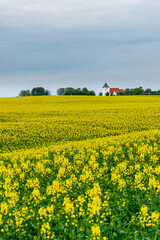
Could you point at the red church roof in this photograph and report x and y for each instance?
(116, 90)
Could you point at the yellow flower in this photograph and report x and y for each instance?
(68, 206)
(1, 219)
(96, 232)
(154, 218)
(45, 228)
(94, 206)
(4, 208)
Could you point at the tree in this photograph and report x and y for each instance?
(77, 91)
(85, 91)
(35, 91)
(61, 91)
(127, 91)
(47, 92)
(69, 92)
(92, 93)
(24, 93)
(73, 91)
(148, 90)
(139, 90)
(21, 94)
(120, 94)
(38, 91)
(133, 91)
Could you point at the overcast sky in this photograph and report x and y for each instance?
(79, 43)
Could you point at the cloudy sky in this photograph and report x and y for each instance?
(79, 43)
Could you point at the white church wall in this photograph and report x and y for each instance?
(105, 90)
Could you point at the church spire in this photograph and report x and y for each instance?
(105, 86)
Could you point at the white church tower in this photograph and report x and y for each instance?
(106, 89)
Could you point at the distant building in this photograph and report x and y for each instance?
(114, 91)
(105, 89)
(110, 91)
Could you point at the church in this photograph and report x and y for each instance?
(111, 91)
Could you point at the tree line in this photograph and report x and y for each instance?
(135, 91)
(139, 91)
(38, 91)
(75, 91)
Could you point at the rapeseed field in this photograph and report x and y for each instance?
(80, 168)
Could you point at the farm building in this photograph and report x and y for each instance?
(111, 91)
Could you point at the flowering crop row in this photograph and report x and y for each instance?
(102, 188)
(31, 122)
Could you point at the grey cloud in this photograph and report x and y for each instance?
(78, 43)
(81, 13)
